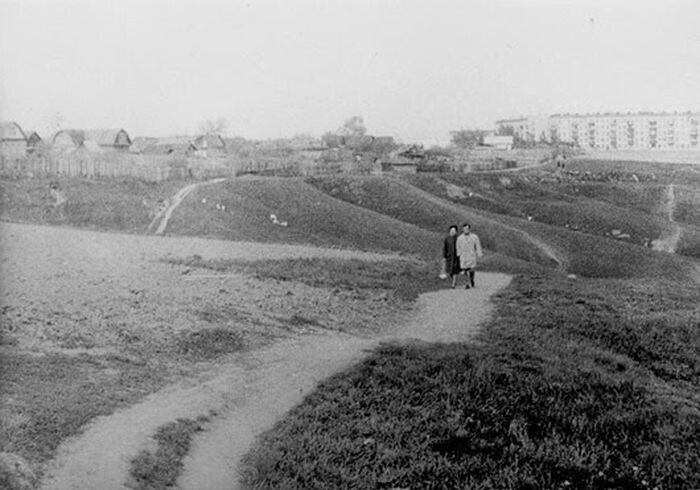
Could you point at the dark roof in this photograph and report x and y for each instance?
(513, 120)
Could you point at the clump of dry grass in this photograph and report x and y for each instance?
(159, 469)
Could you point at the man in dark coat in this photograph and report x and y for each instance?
(449, 255)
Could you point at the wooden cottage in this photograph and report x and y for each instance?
(34, 142)
(209, 145)
(69, 140)
(173, 146)
(143, 144)
(13, 141)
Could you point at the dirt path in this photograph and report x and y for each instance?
(250, 393)
(545, 248)
(669, 242)
(279, 378)
(164, 215)
(95, 276)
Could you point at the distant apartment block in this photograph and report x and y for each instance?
(609, 131)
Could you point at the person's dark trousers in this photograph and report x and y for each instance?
(471, 277)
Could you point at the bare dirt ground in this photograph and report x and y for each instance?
(669, 243)
(80, 292)
(66, 288)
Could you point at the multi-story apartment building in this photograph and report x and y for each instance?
(609, 131)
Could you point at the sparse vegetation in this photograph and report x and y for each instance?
(47, 398)
(209, 343)
(406, 278)
(126, 205)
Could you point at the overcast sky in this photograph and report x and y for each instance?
(412, 69)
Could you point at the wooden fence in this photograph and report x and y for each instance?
(149, 168)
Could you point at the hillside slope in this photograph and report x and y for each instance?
(581, 253)
(241, 209)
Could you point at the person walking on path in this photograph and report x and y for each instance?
(451, 264)
(468, 250)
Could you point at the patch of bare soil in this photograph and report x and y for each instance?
(669, 242)
(79, 293)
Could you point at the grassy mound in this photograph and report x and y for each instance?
(562, 206)
(311, 217)
(546, 402)
(584, 254)
(394, 198)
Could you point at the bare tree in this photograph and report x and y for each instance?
(354, 126)
(214, 126)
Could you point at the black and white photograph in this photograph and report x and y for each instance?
(349, 244)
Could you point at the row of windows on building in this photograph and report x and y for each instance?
(611, 132)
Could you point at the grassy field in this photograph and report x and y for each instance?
(585, 383)
(311, 217)
(522, 197)
(584, 254)
(661, 173)
(393, 198)
(47, 398)
(119, 205)
(687, 205)
(580, 384)
(314, 218)
(159, 469)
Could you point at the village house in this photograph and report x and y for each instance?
(34, 142)
(173, 146)
(107, 140)
(142, 144)
(13, 141)
(209, 145)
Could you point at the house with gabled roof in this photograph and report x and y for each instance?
(34, 142)
(13, 141)
(69, 140)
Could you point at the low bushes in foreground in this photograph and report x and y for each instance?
(547, 401)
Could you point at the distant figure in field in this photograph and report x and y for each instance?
(468, 250)
(451, 265)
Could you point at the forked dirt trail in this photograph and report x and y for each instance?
(250, 394)
(279, 377)
(45, 268)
